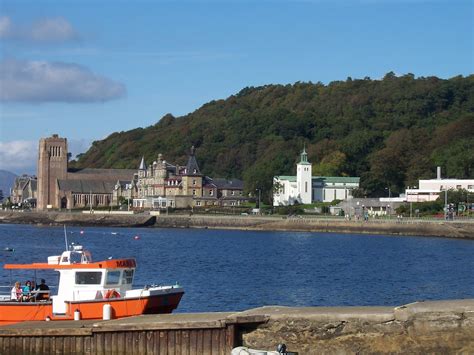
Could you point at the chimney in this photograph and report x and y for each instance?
(438, 173)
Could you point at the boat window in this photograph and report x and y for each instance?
(127, 277)
(88, 277)
(75, 258)
(113, 278)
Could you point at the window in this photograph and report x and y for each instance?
(198, 203)
(194, 182)
(458, 187)
(470, 187)
(194, 192)
(88, 277)
(113, 278)
(211, 192)
(305, 186)
(127, 277)
(232, 192)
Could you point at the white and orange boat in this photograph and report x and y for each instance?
(89, 290)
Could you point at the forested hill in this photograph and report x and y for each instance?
(390, 132)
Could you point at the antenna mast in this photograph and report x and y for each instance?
(65, 237)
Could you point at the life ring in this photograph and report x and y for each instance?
(112, 294)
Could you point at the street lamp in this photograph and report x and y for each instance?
(259, 195)
(389, 200)
(446, 203)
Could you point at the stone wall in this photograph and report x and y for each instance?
(441, 327)
(451, 229)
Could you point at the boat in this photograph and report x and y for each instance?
(88, 290)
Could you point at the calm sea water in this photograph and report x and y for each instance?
(236, 270)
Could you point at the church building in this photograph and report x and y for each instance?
(62, 187)
(306, 189)
(159, 185)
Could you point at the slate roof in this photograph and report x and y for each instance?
(192, 167)
(224, 184)
(142, 164)
(87, 186)
(122, 174)
(284, 177)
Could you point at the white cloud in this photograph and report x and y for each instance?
(47, 30)
(19, 156)
(39, 81)
(5, 26)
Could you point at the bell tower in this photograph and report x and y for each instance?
(52, 165)
(304, 179)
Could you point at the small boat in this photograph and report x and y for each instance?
(88, 290)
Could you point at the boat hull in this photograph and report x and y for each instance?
(15, 312)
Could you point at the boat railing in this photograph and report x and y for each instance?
(5, 294)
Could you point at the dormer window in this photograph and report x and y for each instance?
(194, 171)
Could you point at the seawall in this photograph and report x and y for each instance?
(436, 228)
(439, 327)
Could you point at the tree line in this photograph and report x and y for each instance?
(390, 132)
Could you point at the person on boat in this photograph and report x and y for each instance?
(42, 291)
(27, 291)
(17, 292)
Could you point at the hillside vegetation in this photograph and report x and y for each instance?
(390, 132)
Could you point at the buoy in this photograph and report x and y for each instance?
(82, 232)
(77, 315)
(136, 237)
(106, 312)
(47, 319)
(9, 249)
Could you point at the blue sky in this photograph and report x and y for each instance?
(84, 69)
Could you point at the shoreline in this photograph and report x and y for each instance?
(445, 229)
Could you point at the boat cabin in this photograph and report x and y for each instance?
(80, 279)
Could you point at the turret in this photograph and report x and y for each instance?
(142, 168)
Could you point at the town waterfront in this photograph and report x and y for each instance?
(223, 270)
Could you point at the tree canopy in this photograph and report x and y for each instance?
(390, 132)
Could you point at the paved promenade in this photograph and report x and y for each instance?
(416, 227)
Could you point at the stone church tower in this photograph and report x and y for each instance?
(52, 165)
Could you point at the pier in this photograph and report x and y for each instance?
(416, 328)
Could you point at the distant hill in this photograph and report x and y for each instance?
(6, 181)
(391, 132)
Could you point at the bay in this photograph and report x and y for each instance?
(225, 270)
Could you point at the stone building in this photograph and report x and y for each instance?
(24, 190)
(61, 187)
(162, 184)
(159, 185)
(305, 188)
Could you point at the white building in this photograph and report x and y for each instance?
(305, 188)
(429, 190)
